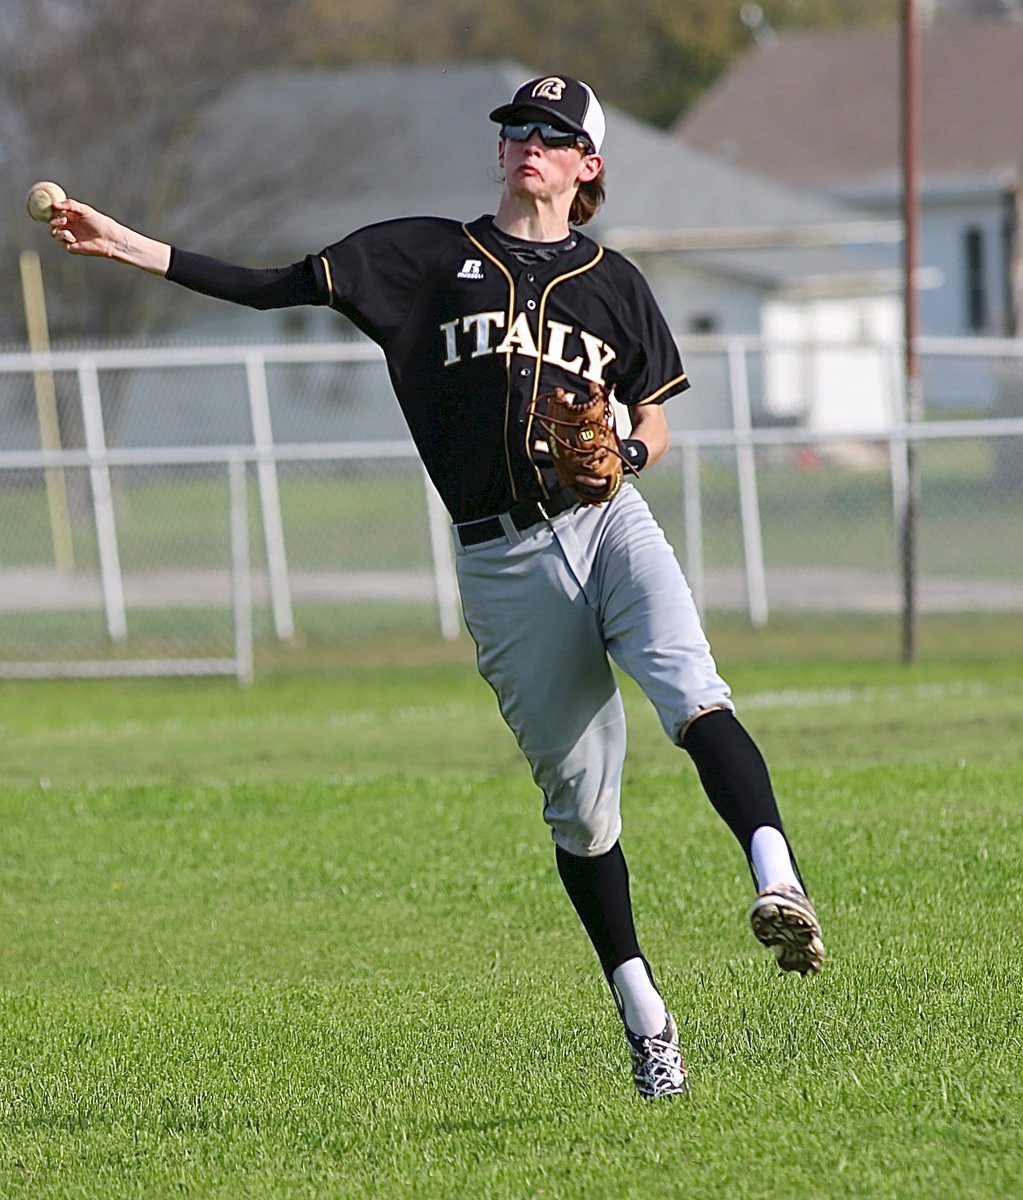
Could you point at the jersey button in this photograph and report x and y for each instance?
(531, 278)
(530, 304)
(525, 371)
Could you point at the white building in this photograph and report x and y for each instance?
(820, 110)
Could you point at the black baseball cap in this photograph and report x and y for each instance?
(569, 102)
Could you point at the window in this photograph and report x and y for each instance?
(295, 323)
(703, 323)
(976, 284)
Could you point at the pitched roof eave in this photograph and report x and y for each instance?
(842, 233)
(855, 283)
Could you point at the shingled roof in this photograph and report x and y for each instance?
(309, 155)
(821, 109)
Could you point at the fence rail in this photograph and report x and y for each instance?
(134, 530)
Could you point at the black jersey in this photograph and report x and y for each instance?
(472, 336)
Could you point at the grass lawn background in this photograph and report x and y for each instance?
(306, 939)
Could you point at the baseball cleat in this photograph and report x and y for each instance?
(657, 1066)
(784, 919)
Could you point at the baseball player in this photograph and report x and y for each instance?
(559, 576)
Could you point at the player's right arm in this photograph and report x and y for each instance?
(86, 231)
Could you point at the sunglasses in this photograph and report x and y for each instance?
(550, 135)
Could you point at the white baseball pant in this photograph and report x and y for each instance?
(546, 607)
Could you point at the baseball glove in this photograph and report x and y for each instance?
(583, 442)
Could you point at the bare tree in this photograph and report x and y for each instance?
(105, 95)
(99, 96)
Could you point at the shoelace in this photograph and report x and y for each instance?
(659, 1062)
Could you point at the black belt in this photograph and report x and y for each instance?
(523, 515)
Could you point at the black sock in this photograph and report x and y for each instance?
(734, 775)
(599, 890)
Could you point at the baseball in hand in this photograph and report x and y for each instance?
(41, 198)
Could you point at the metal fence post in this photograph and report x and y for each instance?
(746, 466)
(897, 457)
(693, 516)
(269, 498)
(102, 501)
(241, 571)
(444, 578)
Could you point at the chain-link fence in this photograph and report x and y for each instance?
(204, 510)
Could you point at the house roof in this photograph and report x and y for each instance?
(290, 161)
(821, 109)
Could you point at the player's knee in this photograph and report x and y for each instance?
(688, 725)
(583, 849)
(585, 830)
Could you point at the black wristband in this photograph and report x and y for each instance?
(636, 453)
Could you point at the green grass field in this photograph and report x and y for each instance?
(307, 940)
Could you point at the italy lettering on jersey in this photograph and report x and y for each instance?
(472, 336)
(480, 334)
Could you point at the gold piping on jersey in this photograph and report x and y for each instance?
(507, 356)
(539, 360)
(330, 278)
(660, 391)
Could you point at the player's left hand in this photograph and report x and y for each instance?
(583, 442)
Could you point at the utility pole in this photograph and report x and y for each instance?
(46, 409)
(914, 397)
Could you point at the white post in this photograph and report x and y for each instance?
(269, 498)
(693, 505)
(241, 571)
(897, 456)
(445, 581)
(749, 504)
(102, 501)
